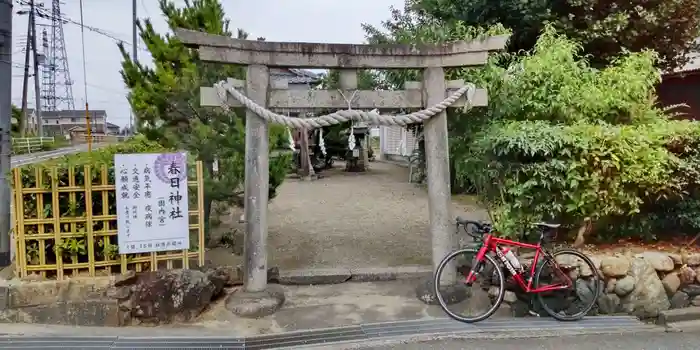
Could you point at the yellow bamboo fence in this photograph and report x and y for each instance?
(66, 224)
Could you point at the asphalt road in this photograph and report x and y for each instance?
(41, 156)
(639, 341)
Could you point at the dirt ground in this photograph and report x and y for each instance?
(372, 219)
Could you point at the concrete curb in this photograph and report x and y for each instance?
(426, 338)
(342, 275)
(668, 317)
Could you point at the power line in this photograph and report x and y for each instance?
(143, 5)
(43, 13)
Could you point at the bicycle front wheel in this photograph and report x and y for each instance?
(483, 296)
(576, 301)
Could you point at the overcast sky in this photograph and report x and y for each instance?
(276, 20)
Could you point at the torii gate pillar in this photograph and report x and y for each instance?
(257, 175)
(437, 157)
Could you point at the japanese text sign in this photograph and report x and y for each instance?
(152, 203)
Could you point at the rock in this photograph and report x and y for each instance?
(692, 290)
(221, 277)
(692, 259)
(659, 261)
(608, 303)
(624, 286)
(519, 309)
(695, 301)
(649, 296)
(583, 270)
(256, 304)
(166, 296)
(596, 259)
(677, 258)
(614, 266)
(125, 278)
(586, 290)
(566, 260)
(610, 285)
(575, 274)
(509, 297)
(671, 283)
(119, 293)
(687, 275)
(237, 241)
(679, 300)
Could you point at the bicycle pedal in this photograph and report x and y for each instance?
(532, 313)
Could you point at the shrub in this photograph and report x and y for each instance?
(565, 141)
(568, 172)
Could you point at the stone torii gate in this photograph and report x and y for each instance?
(264, 99)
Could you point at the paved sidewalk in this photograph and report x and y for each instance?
(307, 307)
(324, 306)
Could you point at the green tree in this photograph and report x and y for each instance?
(165, 98)
(16, 120)
(606, 28)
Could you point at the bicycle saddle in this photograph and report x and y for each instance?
(547, 225)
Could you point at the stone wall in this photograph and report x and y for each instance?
(638, 284)
(151, 297)
(647, 283)
(77, 301)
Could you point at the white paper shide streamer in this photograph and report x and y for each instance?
(321, 142)
(290, 138)
(351, 138)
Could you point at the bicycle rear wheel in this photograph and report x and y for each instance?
(575, 302)
(484, 296)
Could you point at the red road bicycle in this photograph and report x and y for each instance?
(566, 278)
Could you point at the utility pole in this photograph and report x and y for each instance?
(37, 86)
(25, 81)
(5, 126)
(134, 39)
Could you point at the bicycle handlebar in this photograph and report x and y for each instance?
(482, 227)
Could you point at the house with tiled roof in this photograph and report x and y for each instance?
(296, 78)
(682, 85)
(60, 123)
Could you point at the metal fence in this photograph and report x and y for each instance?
(66, 224)
(30, 144)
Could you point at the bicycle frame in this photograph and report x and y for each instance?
(491, 244)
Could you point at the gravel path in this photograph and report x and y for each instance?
(373, 219)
